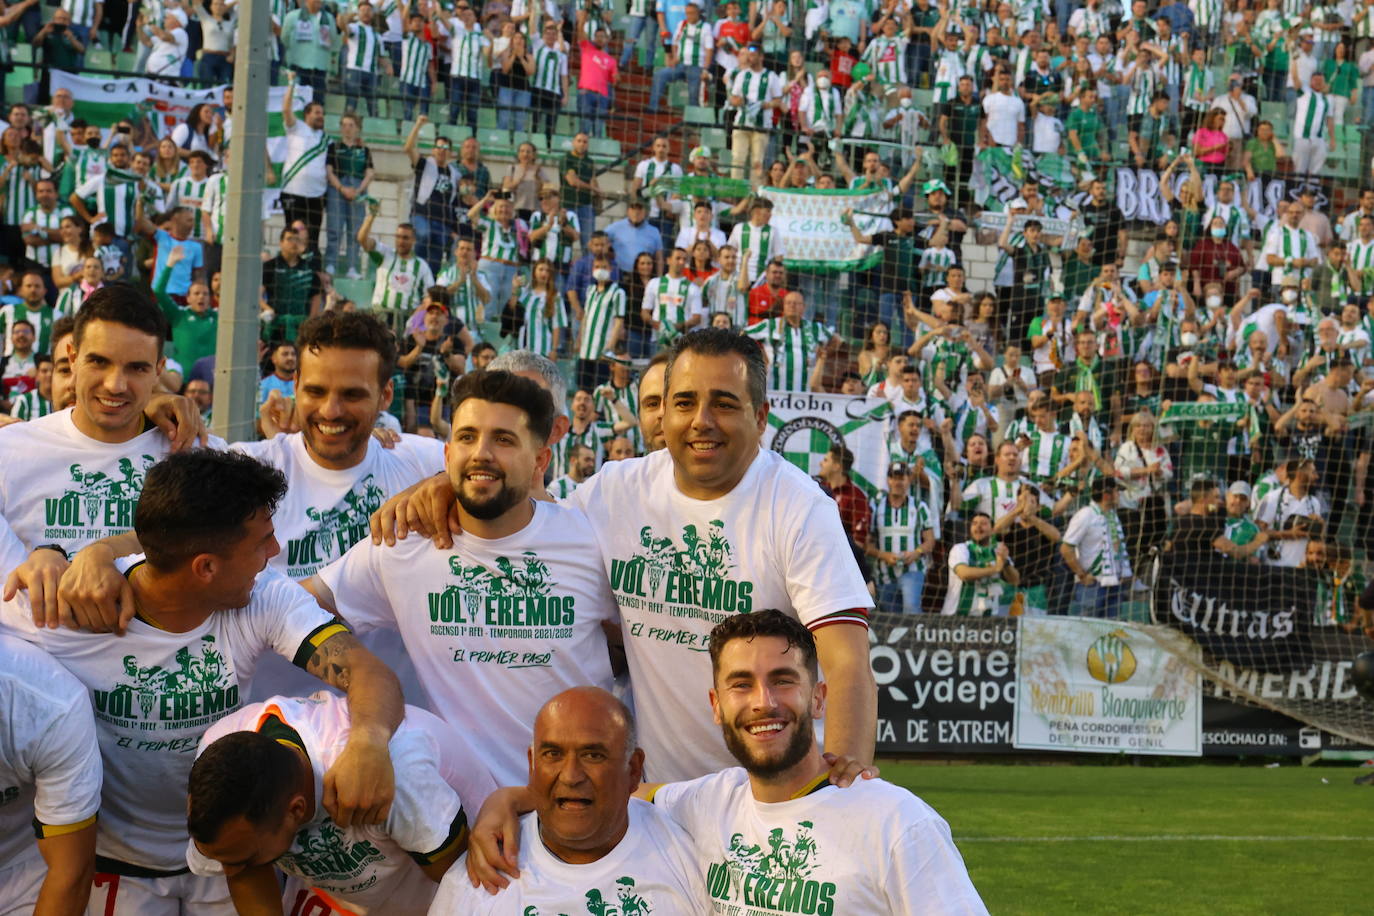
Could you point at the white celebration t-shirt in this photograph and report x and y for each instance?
(652, 869)
(495, 627)
(156, 692)
(871, 848)
(370, 868)
(678, 566)
(325, 512)
(60, 486)
(49, 759)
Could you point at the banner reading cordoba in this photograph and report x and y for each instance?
(803, 426)
(1101, 686)
(813, 235)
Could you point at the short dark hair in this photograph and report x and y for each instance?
(197, 502)
(350, 331)
(248, 774)
(764, 623)
(483, 347)
(121, 303)
(1199, 488)
(1101, 485)
(723, 342)
(61, 327)
(502, 387)
(844, 456)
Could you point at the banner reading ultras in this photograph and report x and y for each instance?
(1102, 686)
(814, 233)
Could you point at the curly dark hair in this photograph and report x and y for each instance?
(197, 502)
(765, 623)
(350, 331)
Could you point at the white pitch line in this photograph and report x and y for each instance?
(1161, 838)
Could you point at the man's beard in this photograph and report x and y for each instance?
(493, 506)
(796, 750)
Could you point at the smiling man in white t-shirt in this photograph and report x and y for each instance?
(709, 527)
(773, 834)
(513, 613)
(206, 612)
(586, 840)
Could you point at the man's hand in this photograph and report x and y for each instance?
(278, 414)
(387, 438)
(92, 594)
(844, 770)
(39, 574)
(494, 841)
(179, 419)
(428, 508)
(359, 787)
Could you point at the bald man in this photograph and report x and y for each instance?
(587, 843)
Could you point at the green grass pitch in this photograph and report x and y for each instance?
(1176, 840)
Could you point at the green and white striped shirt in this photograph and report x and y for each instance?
(537, 332)
(70, 300)
(1100, 542)
(1144, 85)
(692, 41)
(671, 302)
(755, 88)
(898, 528)
(1237, 221)
(1364, 28)
(19, 193)
(360, 52)
(468, 51)
(45, 220)
(594, 437)
(790, 349)
(400, 282)
(117, 200)
(41, 319)
(550, 68)
(30, 406)
(935, 264)
(187, 192)
(84, 163)
(757, 245)
(83, 11)
(629, 395)
(646, 170)
(416, 54)
(563, 487)
(1207, 14)
(599, 314)
(1362, 259)
(1047, 455)
(464, 302)
(214, 205)
(499, 242)
(887, 57)
(1200, 81)
(1310, 116)
(553, 247)
(978, 598)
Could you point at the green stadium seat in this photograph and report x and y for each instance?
(699, 114)
(331, 123)
(496, 142)
(382, 130)
(604, 148)
(713, 137)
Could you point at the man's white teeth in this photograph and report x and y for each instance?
(331, 429)
(762, 729)
(109, 403)
(705, 446)
(480, 476)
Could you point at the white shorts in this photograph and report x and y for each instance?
(179, 895)
(20, 884)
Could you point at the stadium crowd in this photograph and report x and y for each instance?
(531, 366)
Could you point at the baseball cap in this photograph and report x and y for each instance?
(700, 152)
(1051, 99)
(1239, 488)
(435, 305)
(896, 470)
(935, 184)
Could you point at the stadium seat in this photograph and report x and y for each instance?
(699, 114)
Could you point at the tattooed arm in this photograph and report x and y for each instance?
(359, 787)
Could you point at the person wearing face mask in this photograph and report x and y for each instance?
(603, 323)
(906, 124)
(822, 112)
(1215, 258)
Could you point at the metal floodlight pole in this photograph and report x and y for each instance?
(236, 344)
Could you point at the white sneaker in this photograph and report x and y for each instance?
(353, 274)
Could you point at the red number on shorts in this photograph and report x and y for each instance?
(307, 904)
(103, 879)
